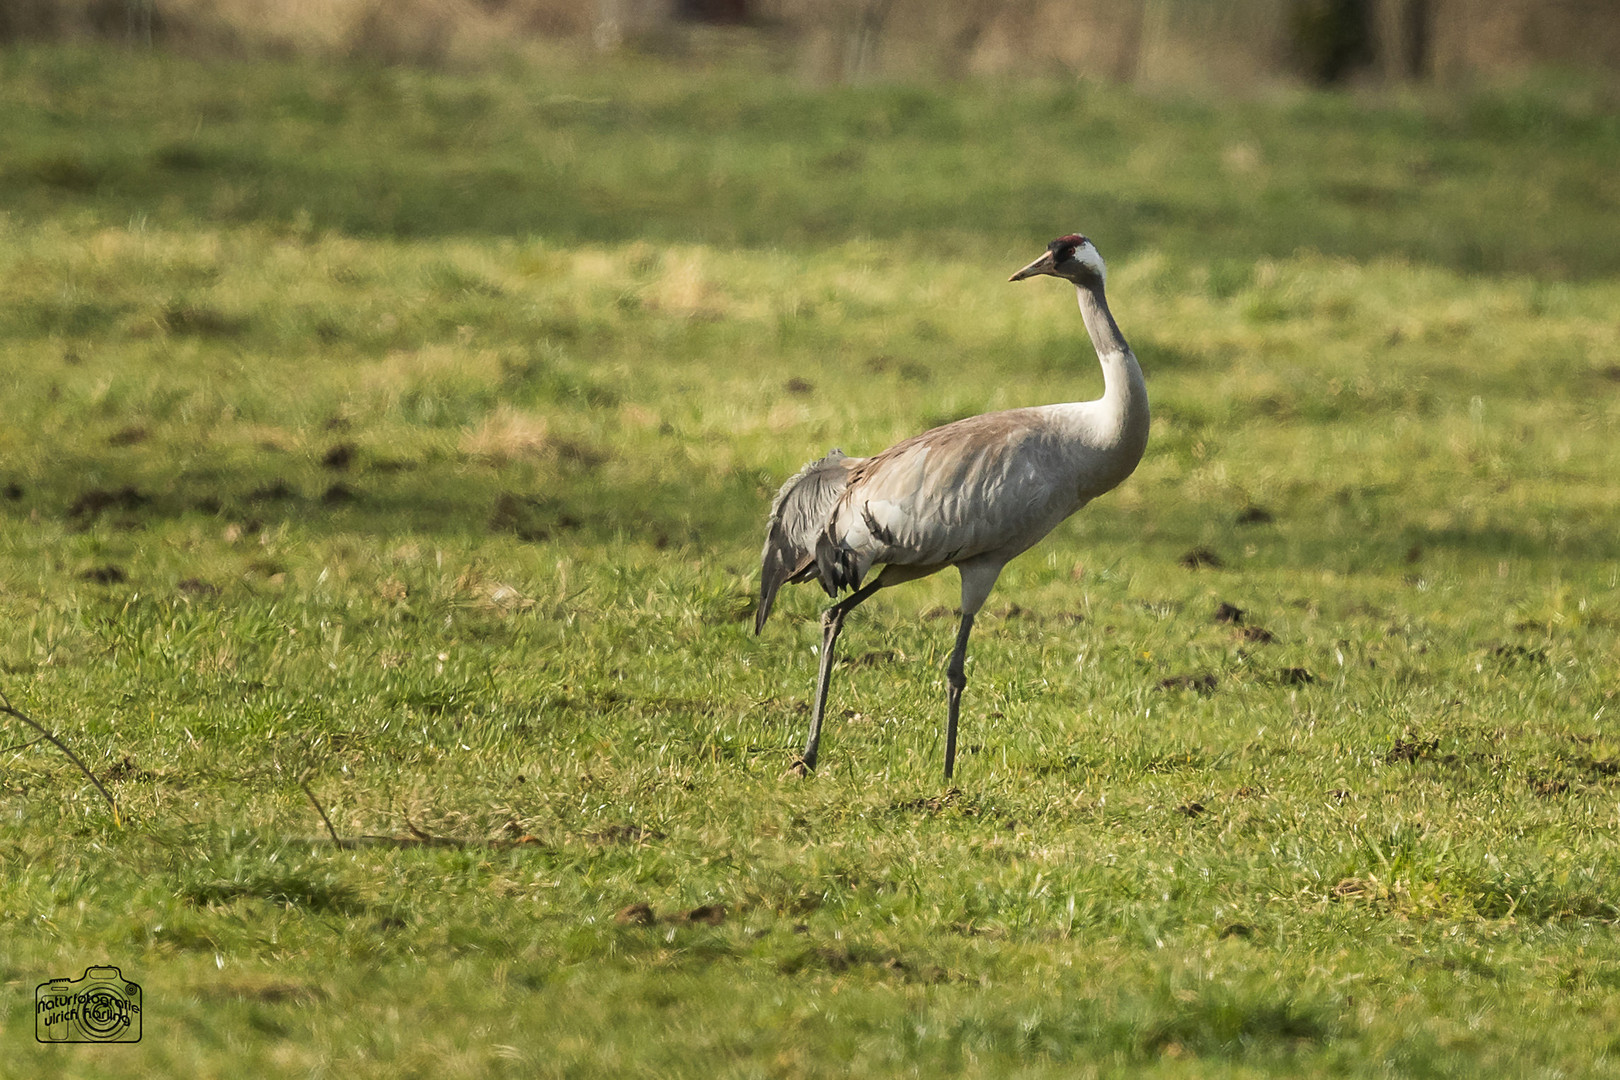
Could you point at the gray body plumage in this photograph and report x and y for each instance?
(987, 487)
(973, 494)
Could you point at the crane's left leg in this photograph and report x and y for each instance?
(955, 681)
(832, 623)
(977, 581)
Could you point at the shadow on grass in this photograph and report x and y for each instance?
(241, 866)
(242, 502)
(1219, 1023)
(1232, 1024)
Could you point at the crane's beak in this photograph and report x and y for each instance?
(1042, 265)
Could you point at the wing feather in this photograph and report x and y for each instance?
(799, 516)
(988, 486)
(985, 485)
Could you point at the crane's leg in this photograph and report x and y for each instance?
(955, 680)
(832, 623)
(977, 581)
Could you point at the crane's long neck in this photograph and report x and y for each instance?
(1117, 424)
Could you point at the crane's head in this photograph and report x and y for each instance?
(1072, 258)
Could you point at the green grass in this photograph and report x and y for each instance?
(413, 433)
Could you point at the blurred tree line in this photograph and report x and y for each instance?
(1154, 42)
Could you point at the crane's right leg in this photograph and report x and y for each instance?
(977, 581)
(832, 623)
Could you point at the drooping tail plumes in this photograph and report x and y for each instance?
(798, 517)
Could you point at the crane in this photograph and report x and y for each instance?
(973, 494)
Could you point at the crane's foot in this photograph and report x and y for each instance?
(799, 769)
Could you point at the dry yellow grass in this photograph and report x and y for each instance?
(508, 435)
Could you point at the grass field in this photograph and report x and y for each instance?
(412, 434)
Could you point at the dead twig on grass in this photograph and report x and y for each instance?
(418, 838)
(11, 710)
(321, 811)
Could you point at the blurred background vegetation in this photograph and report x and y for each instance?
(392, 393)
(1235, 45)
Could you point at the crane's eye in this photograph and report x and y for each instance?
(1063, 255)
